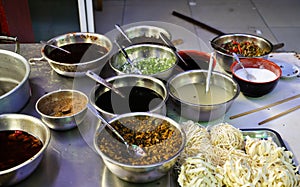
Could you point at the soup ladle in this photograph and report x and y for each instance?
(132, 149)
(54, 46)
(100, 80)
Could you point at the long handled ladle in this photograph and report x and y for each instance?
(119, 28)
(132, 149)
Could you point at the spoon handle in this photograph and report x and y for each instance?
(211, 61)
(119, 28)
(100, 80)
(56, 47)
(171, 45)
(95, 112)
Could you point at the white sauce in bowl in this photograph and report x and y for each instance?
(261, 75)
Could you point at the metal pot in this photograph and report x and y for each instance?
(225, 59)
(14, 84)
(77, 69)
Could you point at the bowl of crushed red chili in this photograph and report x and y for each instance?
(23, 141)
(161, 138)
(62, 109)
(245, 45)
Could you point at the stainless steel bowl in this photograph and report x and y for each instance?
(140, 173)
(131, 80)
(206, 111)
(14, 82)
(32, 126)
(225, 60)
(142, 52)
(77, 69)
(62, 109)
(143, 34)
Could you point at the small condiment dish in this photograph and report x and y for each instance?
(267, 74)
(62, 109)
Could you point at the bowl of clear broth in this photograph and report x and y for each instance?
(266, 76)
(142, 94)
(87, 51)
(23, 141)
(190, 100)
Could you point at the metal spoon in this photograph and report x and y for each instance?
(118, 27)
(211, 61)
(248, 75)
(56, 47)
(170, 45)
(132, 149)
(100, 80)
(136, 70)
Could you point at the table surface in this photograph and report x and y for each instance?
(70, 158)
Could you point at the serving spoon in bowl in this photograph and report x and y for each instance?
(249, 76)
(134, 68)
(54, 46)
(100, 80)
(132, 149)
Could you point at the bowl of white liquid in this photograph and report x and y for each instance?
(190, 99)
(266, 76)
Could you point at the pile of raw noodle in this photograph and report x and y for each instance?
(220, 156)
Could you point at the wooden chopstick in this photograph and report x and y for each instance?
(279, 115)
(264, 107)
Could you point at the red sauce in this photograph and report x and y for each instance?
(16, 147)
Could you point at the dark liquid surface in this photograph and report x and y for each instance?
(16, 147)
(79, 52)
(137, 99)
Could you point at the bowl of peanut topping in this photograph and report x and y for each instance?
(62, 109)
(160, 137)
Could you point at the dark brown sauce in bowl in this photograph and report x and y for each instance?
(79, 52)
(16, 147)
(137, 99)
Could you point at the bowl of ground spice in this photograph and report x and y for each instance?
(62, 109)
(160, 137)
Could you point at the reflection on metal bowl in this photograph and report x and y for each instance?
(36, 128)
(14, 82)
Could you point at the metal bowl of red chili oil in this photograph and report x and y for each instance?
(161, 138)
(246, 45)
(23, 139)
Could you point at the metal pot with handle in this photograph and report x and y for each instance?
(14, 79)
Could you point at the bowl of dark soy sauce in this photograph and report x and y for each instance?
(142, 94)
(87, 51)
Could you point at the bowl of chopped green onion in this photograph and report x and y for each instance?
(151, 59)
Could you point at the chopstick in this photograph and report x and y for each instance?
(279, 115)
(196, 22)
(264, 107)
